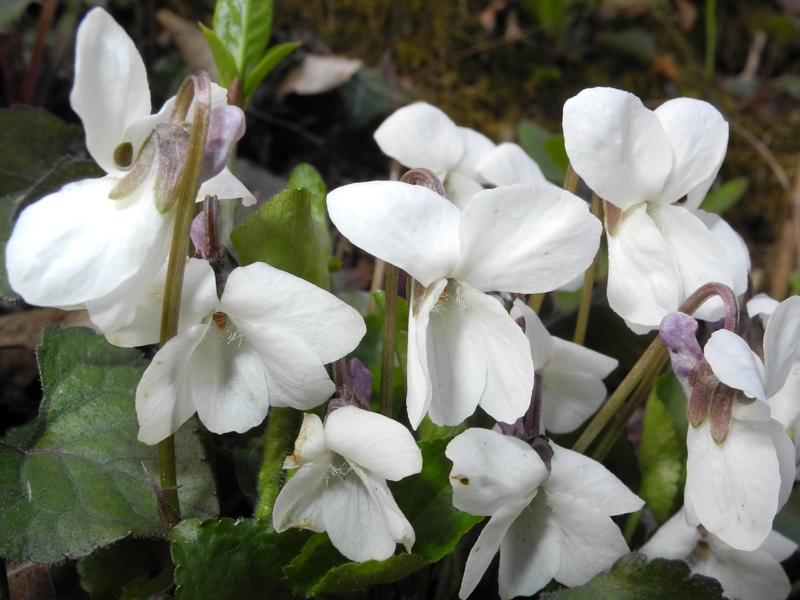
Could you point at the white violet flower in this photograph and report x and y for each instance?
(263, 343)
(655, 167)
(463, 347)
(546, 525)
(744, 575)
(340, 486)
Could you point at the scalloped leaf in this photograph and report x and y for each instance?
(78, 483)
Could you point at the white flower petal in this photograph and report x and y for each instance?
(569, 397)
(778, 546)
(164, 395)
(675, 539)
(373, 441)
(617, 146)
(77, 245)
(734, 363)
(781, 344)
(744, 575)
(310, 444)
(783, 405)
(328, 326)
(406, 225)
(396, 523)
(476, 147)
(734, 247)
(698, 136)
(696, 253)
(509, 367)
(761, 304)
(581, 358)
(525, 239)
(576, 475)
(590, 541)
(110, 91)
(198, 300)
(540, 339)
(421, 135)
(491, 471)
(226, 186)
(508, 164)
(460, 189)
(487, 545)
(420, 388)
(784, 450)
(531, 551)
(733, 488)
(229, 381)
(354, 520)
(456, 357)
(643, 283)
(300, 501)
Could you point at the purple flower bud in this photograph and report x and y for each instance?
(226, 127)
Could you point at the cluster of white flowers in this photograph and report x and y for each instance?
(264, 338)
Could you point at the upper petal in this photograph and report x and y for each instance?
(732, 489)
(698, 136)
(406, 225)
(373, 441)
(734, 363)
(732, 245)
(421, 135)
(77, 245)
(643, 283)
(781, 344)
(508, 164)
(540, 339)
(617, 146)
(675, 539)
(111, 90)
(525, 239)
(265, 299)
(491, 470)
(476, 147)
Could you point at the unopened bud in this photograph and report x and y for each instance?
(226, 127)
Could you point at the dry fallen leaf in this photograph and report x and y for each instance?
(190, 41)
(317, 74)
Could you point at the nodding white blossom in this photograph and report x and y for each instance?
(263, 343)
(340, 486)
(655, 167)
(463, 347)
(744, 575)
(546, 525)
(422, 136)
(572, 376)
(741, 464)
(78, 245)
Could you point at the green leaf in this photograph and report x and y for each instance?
(244, 27)
(31, 141)
(633, 578)
(268, 62)
(78, 482)
(660, 459)
(127, 570)
(729, 193)
(284, 234)
(787, 521)
(65, 170)
(226, 63)
(533, 140)
(232, 559)
(426, 501)
(306, 176)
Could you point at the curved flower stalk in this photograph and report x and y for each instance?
(341, 483)
(572, 376)
(102, 240)
(547, 523)
(263, 343)
(741, 463)
(464, 349)
(744, 575)
(654, 168)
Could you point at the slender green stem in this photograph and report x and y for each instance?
(711, 38)
(649, 360)
(571, 180)
(588, 284)
(389, 334)
(184, 208)
(5, 594)
(282, 429)
(631, 523)
(535, 302)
